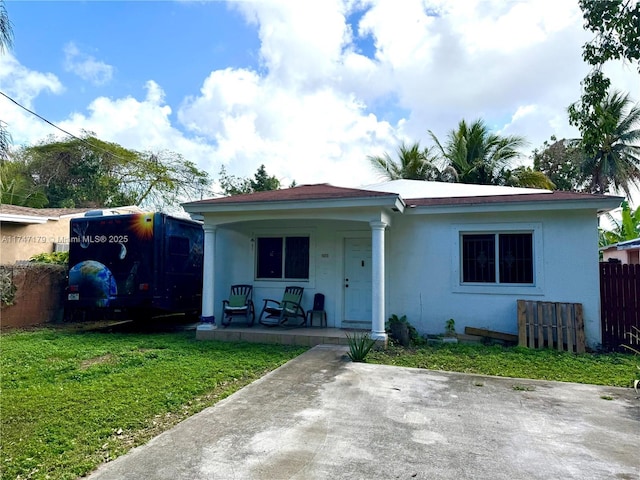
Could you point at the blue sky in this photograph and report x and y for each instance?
(175, 43)
(309, 89)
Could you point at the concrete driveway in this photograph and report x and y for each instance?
(322, 417)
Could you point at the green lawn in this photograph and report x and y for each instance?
(71, 401)
(598, 369)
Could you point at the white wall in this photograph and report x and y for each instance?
(235, 259)
(421, 253)
(421, 283)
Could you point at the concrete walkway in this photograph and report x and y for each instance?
(322, 417)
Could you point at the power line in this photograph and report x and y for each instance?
(59, 128)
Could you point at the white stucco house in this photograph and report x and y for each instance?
(431, 251)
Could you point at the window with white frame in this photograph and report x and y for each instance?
(282, 258)
(497, 258)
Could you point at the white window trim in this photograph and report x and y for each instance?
(282, 233)
(537, 288)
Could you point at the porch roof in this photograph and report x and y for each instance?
(304, 196)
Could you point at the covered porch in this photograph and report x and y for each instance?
(327, 240)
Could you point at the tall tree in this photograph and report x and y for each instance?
(413, 163)
(88, 172)
(16, 188)
(6, 42)
(560, 161)
(615, 160)
(261, 182)
(616, 25)
(480, 156)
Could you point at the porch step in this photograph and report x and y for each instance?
(305, 336)
(356, 325)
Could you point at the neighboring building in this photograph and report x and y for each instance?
(627, 253)
(26, 231)
(431, 251)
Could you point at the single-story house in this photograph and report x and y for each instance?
(431, 251)
(26, 231)
(627, 253)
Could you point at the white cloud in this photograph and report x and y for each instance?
(24, 85)
(313, 137)
(86, 66)
(143, 125)
(318, 105)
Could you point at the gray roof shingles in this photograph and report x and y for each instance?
(39, 212)
(321, 191)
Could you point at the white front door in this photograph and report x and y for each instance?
(357, 281)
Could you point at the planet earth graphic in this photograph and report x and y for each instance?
(95, 281)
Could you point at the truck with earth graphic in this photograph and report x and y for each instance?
(138, 265)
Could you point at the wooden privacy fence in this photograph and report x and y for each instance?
(619, 304)
(551, 325)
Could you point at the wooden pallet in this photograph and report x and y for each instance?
(551, 325)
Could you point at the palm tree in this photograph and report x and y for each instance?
(6, 32)
(616, 162)
(414, 163)
(482, 157)
(6, 41)
(526, 177)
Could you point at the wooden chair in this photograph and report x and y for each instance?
(239, 303)
(286, 311)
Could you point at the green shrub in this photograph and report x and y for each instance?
(450, 328)
(58, 258)
(359, 346)
(395, 324)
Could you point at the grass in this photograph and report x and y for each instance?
(597, 369)
(71, 401)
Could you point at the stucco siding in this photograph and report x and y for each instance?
(235, 261)
(421, 282)
(422, 267)
(21, 242)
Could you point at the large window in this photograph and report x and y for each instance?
(504, 258)
(283, 258)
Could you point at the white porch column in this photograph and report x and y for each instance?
(377, 281)
(207, 318)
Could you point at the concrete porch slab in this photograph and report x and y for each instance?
(304, 336)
